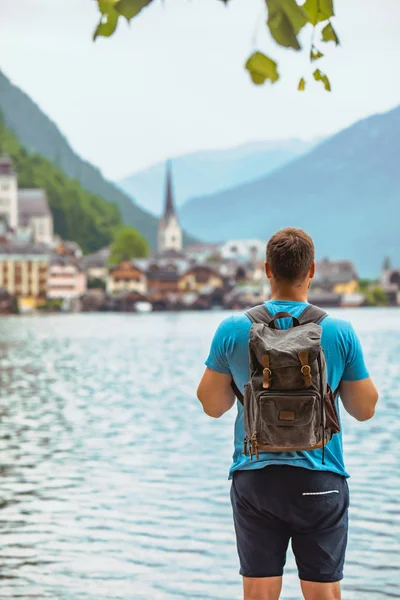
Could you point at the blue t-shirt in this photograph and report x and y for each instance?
(345, 362)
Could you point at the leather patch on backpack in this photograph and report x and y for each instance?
(286, 415)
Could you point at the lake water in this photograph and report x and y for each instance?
(114, 482)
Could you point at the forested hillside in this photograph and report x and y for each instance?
(78, 215)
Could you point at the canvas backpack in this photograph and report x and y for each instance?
(288, 404)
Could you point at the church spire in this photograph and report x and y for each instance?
(169, 230)
(169, 209)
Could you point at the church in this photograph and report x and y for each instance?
(25, 211)
(169, 229)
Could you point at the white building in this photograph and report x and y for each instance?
(25, 210)
(8, 192)
(169, 230)
(34, 215)
(243, 250)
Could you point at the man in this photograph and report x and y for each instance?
(285, 496)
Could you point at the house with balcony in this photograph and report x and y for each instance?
(126, 277)
(65, 278)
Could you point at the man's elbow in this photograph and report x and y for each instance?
(366, 415)
(368, 411)
(209, 409)
(212, 412)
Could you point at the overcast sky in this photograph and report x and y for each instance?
(173, 82)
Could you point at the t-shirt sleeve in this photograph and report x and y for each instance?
(221, 347)
(355, 367)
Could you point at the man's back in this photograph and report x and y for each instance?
(345, 362)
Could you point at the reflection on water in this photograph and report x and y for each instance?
(114, 483)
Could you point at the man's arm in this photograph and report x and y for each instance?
(359, 398)
(357, 390)
(215, 393)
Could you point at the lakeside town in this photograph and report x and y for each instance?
(40, 271)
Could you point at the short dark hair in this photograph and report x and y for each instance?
(290, 254)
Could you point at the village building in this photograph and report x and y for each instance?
(96, 266)
(203, 253)
(243, 250)
(67, 248)
(65, 278)
(23, 273)
(390, 282)
(126, 277)
(337, 276)
(26, 211)
(8, 192)
(163, 279)
(34, 215)
(169, 229)
(197, 277)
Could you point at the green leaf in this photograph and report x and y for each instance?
(326, 8)
(296, 14)
(285, 19)
(302, 85)
(329, 35)
(105, 5)
(130, 8)
(107, 25)
(318, 10)
(315, 54)
(319, 76)
(262, 68)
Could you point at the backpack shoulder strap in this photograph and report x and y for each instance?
(312, 314)
(259, 314)
(237, 392)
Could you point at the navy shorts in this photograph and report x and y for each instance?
(276, 504)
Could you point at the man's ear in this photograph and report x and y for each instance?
(312, 271)
(268, 271)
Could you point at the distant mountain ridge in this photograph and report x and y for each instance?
(39, 134)
(206, 172)
(345, 193)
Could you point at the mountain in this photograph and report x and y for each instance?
(78, 215)
(203, 173)
(37, 133)
(345, 193)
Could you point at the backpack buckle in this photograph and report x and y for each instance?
(306, 372)
(266, 377)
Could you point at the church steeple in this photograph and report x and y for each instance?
(169, 209)
(169, 231)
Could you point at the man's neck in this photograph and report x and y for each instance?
(290, 295)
